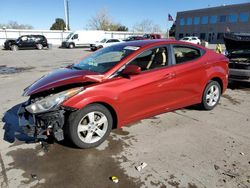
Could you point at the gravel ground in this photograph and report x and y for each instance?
(185, 148)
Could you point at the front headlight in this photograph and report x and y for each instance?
(53, 101)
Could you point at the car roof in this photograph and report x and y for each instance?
(155, 42)
(142, 43)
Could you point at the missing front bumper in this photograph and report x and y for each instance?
(41, 126)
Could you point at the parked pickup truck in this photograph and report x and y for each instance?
(238, 52)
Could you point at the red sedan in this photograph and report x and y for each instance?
(122, 84)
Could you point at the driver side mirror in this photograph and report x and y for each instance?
(131, 70)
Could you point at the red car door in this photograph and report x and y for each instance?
(190, 74)
(152, 91)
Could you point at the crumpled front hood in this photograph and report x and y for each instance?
(61, 77)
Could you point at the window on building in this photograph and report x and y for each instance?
(182, 21)
(203, 36)
(223, 18)
(204, 20)
(196, 20)
(213, 19)
(220, 36)
(189, 21)
(233, 18)
(244, 16)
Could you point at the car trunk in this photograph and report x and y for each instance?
(238, 48)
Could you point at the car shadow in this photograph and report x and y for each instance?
(12, 130)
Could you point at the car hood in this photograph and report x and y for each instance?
(61, 77)
(10, 41)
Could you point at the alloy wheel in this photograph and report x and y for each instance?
(92, 127)
(212, 95)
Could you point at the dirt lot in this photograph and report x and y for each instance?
(186, 148)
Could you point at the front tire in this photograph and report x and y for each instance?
(211, 95)
(90, 126)
(71, 45)
(14, 47)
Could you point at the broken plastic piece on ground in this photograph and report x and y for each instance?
(143, 165)
(114, 179)
(242, 153)
(33, 176)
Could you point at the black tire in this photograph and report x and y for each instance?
(75, 118)
(99, 47)
(212, 101)
(39, 46)
(93, 49)
(14, 47)
(71, 45)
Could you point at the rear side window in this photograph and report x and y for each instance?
(184, 53)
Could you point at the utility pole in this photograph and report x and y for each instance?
(66, 12)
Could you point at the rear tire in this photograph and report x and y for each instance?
(90, 126)
(211, 95)
(14, 47)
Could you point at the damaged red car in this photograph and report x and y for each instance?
(119, 85)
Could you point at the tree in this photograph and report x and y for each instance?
(102, 21)
(122, 28)
(58, 25)
(146, 26)
(15, 25)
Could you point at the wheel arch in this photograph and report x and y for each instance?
(219, 80)
(111, 109)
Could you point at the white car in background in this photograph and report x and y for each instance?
(104, 43)
(194, 40)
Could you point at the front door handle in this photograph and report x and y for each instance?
(169, 75)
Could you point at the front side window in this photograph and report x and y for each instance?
(213, 19)
(204, 20)
(182, 21)
(104, 59)
(75, 36)
(196, 20)
(233, 18)
(151, 59)
(183, 54)
(244, 17)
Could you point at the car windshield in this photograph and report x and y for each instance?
(103, 40)
(185, 39)
(69, 36)
(104, 59)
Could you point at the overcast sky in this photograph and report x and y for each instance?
(42, 13)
